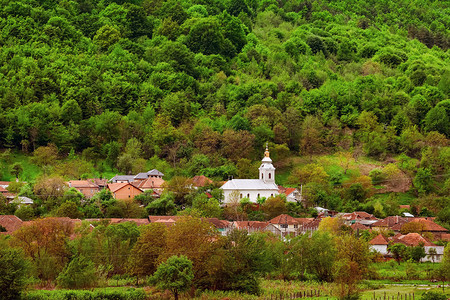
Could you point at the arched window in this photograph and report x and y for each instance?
(270, 175)
(258, 195)
(271, 195)
(262, 175)
(240, 196)
(248, 196)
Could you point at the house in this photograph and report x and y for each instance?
(381, 243)
(310, 227)
(22, 200)
(359, 217)
(4, 184)
(222, 226)
(167, 220)
(428, 225)
(155, 174)
(253, 189)
(10, 222)
(87, 187)
(201, 181)
(256, 226)
(151, 183)
(124, 190)
(292, 194)
(286, 224)
(122, 179)
(389, 223)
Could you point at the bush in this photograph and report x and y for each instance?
(433, 296)
(130, 294)
(79, 273)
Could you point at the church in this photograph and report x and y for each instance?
(253, 188)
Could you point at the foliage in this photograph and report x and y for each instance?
(79, 273)
(14, 273)
(175, 275)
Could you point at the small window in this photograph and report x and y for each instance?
(240, 196)
(271, 195)
(258, 196)
(284, 226)
(270, 175)
(262, 175)
(296, 226)
(248, 196)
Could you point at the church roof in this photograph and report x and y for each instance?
(248, 184)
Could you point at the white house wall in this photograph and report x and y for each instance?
(251, 194)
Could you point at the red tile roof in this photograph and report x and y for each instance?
(251, 224)
(82, 184)
(412, 239)
(284, 219)
(429, 225)
(358, 215)
(10, 222)
(303, 221)
(138, 222)
(150, 183)
(359, 226)
(219, 223)
(163, 219)
(379, 240)
(200, 181)
(114, 187)
(390, 222)
(3, 190)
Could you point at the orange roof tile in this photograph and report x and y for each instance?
(10, 222)
(200, 181)
(82, 184)
(150, 183)
(3, 190)
(359, 226)
(284, 219)
(429, 225)
(113, 187)
(379, 240)
(412, 239)
(303, 221)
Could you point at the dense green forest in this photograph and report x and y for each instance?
(198, 87)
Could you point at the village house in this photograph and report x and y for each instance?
(380, 244)
(253, 189)
(9, 224)
(427, 225)
(256, 226)
(87, 187)
(358, 217)
(292, 194)
(124, 191)
(152, 183)
(389, 223)
(286, 224)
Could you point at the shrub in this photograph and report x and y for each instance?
(79, 273)
(433, 296)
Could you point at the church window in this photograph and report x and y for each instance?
(270, 175)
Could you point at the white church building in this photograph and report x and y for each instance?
(253, 188)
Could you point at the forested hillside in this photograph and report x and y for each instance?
(198, 87)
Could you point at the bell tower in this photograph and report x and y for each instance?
(267, 170)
